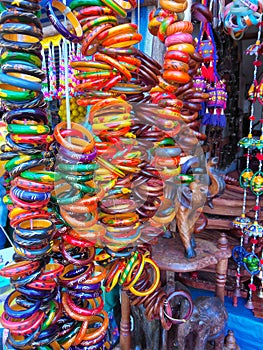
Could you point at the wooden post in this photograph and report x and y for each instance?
(125, 326)
(221, 268)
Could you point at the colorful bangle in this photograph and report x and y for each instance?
(86, 147)
(70, 16)
(154, 284)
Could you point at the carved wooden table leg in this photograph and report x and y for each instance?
(125, 326)
(221, 268)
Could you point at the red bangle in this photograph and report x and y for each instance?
(85, 311)
(19, 269)
(32, 139)
(32, 185)
(92, 11)
(177, 55)
(76, 241)
(42, 285)
(39, 214)
(51, 271)
(29, 325)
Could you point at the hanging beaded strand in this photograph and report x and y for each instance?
(247, 180)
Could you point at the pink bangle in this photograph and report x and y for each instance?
(179, 38)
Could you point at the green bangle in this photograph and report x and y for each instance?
(50, 317)
(168, 141)
(115, 7)
(79, 168)
(16, 95)
(85, 3)
(7, 200)
(41, 176)
(128, 267)
(23, 56)
(28, 129)
(12, 163)
(84, 188)
(100, 74)
(76, 178)
(68, 200)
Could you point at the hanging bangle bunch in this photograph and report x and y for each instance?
(31, 311)
(180, 66)
(250, 231)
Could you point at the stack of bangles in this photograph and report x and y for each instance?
(32, 310)
(175, 91)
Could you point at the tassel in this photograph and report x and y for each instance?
(206, 117)
(214, 119)
(222, 119)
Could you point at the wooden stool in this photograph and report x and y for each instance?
(169, 256)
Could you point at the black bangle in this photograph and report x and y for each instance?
(21, 16)
(37, 102)
(26, 5)
(36, 114)
(21, 28)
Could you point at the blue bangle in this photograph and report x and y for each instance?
(21, 83)
(24, 148)
(32, 254)
(33, 293)
(24, 280)
(20, 314)
(84, 288)
(46, 337)
(20, 344)
(30, 196)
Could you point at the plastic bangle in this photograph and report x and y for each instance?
(8, 92)
(86, 147)
(115, 7)
(176, 76)
(155, 283)
(70, 16)
(173, 6)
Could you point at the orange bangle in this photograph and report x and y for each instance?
(77, 223)
(180, 26)
(108, 103)
(176, 65)
(173, 6)
(70, 312)
(114, 63)
(91, 37)
(166, 86)
(188, 48)
(176, 76)
(119, 29)
(81, 334)
(97, 278)
(122, 40)
(98, 331)
(87, 145)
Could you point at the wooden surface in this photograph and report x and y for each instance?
(169, 255)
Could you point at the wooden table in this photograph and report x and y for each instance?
(169, 255)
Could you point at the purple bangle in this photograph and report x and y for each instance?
(91, 295)
(76, 272)
(86, 287)
(83, 158)
(66, 11)
(78, 279)
(74, 261)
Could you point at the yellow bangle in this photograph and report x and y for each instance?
(188, 48)
(173, 6)
(155, 282)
